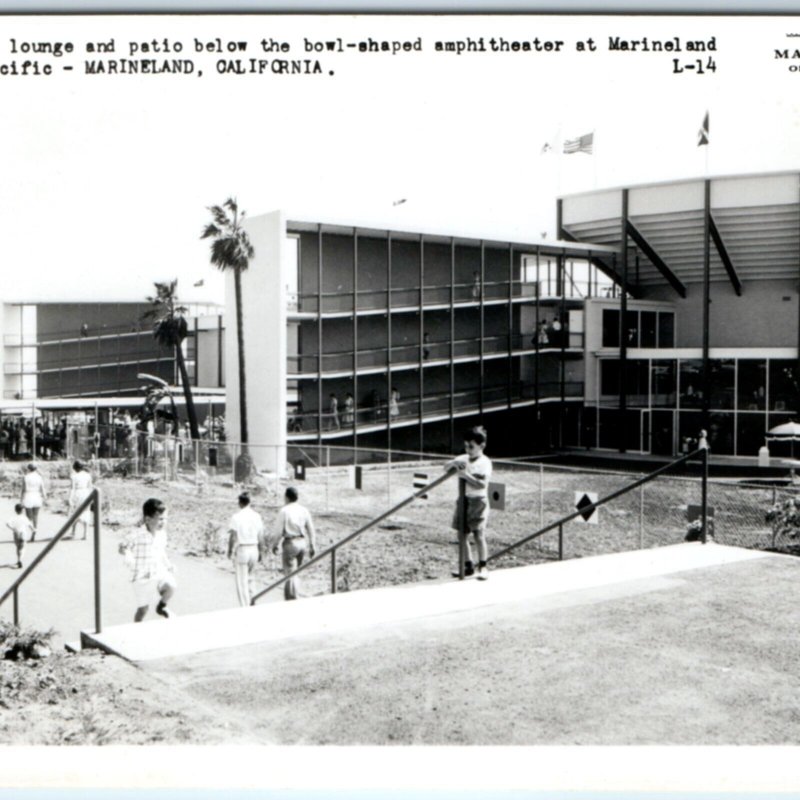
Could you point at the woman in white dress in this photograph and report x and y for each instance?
(33, 495)
(80, 489)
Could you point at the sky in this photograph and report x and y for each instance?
(108, 177)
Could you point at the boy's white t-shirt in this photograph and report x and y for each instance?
(20, 525)
(481, 467)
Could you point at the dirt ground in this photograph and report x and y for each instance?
(86, 698)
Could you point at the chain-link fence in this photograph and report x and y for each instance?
(358, 484)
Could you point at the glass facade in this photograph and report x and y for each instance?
(747, 397)
(642, 328)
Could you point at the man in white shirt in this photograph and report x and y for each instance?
(245, 540)
(295, 528)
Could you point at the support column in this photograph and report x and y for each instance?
(623, 333)
(319, 336)
(706, 302)
(420, 409)
(511, 362)
(482, 327)
(452, 343)
(388, 339)
(355, 338)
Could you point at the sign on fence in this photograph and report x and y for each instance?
(583, 501)
(299, 470)
(497, 496)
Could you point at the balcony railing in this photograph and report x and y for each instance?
(433, 405)
(373, 299)
(413, 354)
(409, 296)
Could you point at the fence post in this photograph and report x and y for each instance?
(98, 625)
(389, 478)
(641, 517)
(560, 542)
(463, 530)
(327, 476)
(704, 495)
(197, 461)
(333, 571)
(541, 495)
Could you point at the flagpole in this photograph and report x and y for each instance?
(558, 158)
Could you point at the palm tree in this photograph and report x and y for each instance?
(170, 329)
(231, 250)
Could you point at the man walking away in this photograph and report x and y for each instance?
(245, 540)
(295, 528)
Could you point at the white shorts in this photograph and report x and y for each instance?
(146, 591)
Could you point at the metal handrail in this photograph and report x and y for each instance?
(334, 547)
(94, 497)
(702, 453)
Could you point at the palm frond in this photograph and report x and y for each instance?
(210, 230)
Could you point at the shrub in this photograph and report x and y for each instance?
(17, 643)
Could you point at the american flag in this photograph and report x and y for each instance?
(583, 144)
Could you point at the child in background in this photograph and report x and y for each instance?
(21, 527)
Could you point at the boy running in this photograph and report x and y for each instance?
(475, 469)
(21, 527)
(145, 551)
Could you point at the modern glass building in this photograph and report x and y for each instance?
(706, 331)
(97, 349)
(400, 339)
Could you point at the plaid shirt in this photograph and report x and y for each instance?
(146, 554)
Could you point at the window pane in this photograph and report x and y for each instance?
(648, 333)
(689, 424)
(636, 374)
(610, 327)
(609, 377)
(783, 385)
(752, 385)
(632, 328)
(720, 434)
(750, 432)
(691, 377)
(721, 382)
(666, 329)
(609, 428)
(663, 376)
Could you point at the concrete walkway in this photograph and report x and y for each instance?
(59, 593)
(358, 610)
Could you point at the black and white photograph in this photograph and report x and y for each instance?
(400, 401)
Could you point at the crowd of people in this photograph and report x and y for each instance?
(21, 438)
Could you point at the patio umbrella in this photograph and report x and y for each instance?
(785, 432)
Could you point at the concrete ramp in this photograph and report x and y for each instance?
(236, 627)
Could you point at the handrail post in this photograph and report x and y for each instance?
(462, 529)
(704, 497)
(541, 495)
(641, 517)
(333, 571)
(560, 542)
(98, 625)
(327, 476)
(16, 608)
